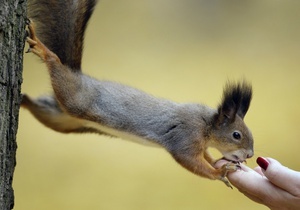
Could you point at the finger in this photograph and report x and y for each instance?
(258, 188)
(258, 170)
(283, 177)
(247, 180)
(252, 183)
(220, 163)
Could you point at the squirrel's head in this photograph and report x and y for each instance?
(230, 134)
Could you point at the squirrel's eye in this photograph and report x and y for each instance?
(236, 135)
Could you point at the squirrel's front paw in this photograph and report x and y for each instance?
(228, 167)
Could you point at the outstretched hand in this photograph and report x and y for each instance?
(271, 184)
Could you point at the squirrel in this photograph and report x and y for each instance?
(82, 104)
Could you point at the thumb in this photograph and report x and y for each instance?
(280, 175)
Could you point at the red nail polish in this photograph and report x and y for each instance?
(262, 162)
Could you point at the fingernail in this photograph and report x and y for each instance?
(262, 162)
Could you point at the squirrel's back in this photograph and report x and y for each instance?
(61, 25)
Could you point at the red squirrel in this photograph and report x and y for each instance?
(82, 104)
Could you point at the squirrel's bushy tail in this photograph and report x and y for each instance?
(60, 25)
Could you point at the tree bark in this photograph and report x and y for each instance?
(12, 35)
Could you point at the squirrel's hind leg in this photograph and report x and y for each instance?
(37, 47)
(47, 110)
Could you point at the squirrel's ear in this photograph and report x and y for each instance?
(246, 96)
(236, 101)
(226, 113)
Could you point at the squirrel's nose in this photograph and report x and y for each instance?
(249, 156)
(250, 153)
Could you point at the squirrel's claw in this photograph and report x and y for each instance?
(225, 180)
(28, 21)
(31, 37)
(31, 43)
(228, 167)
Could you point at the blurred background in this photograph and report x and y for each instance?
(183, 51)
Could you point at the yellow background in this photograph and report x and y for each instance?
(183, 51)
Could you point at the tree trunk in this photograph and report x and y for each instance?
(12, 34)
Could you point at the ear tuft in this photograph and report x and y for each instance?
(236, 100)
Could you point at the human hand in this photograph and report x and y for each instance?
(271, 184)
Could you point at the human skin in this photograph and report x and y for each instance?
(270, 184)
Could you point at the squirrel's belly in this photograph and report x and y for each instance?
(120, 134)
